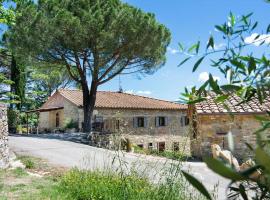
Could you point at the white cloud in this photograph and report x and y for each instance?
(173, 51)
(257, 41)
(146, 92)
(129, 91)
(204, 76)
(219, 46)
(139, 92)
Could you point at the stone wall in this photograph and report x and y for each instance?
(172, 133)
(4, 152)
(212, 129)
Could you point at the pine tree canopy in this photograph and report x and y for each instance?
(95, 39)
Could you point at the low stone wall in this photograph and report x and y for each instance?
(4, 151)
(112, 141)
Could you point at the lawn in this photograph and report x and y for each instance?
(42, 181)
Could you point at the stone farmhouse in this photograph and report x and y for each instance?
(148, 123)
(211, 123)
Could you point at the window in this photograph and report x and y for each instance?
(140, 122)
(150, 146)
(161, 121)
(184, 121)
(176, 146)
(57, 120)
(161, 146)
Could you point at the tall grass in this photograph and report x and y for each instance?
(79, 185)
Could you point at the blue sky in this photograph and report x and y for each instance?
(188, 21)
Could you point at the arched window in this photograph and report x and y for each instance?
(57, 120)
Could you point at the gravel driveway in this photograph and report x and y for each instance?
(62, 152)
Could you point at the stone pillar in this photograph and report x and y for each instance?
(4, 151)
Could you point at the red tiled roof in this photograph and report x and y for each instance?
(106, 99)
(209, 106)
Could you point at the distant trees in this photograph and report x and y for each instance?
(24, 84)
(7, 17)
(42, 81)
(94, 40)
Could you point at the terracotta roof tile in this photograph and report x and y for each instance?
(106, 99)
(210, 106)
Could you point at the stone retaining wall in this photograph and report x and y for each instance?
(4, 152)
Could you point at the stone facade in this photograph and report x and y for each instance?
(173, 133)
(115, 120)
(4, 151)
(210, 129)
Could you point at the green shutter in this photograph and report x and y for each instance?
(166, 121)
(135, 122)
(157, 121)
(145, 122)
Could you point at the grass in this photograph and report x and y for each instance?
(17, 184)
(111, 186)
(78, 184)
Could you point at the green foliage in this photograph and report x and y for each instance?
(100, 27)
(70, 123)
(20, 129)
(246, 74)
(248, 77)
(18, 77)
(94, 40)
(78, 184)
(43, 80)
(7, 15)
(13, 118)
(219, 167)
(28, 162)
(198, 185)
(19, 172)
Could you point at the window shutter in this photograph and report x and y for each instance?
(181, 120)
(166, 121)
(145, 122)
(135, 122)
(157, 121)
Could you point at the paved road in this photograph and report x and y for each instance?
(71, 154)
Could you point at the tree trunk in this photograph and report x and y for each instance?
(89, 100)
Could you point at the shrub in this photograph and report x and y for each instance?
(21, 129)
(97, 185)
(29, 164)
(13, 117)
(70, 123)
